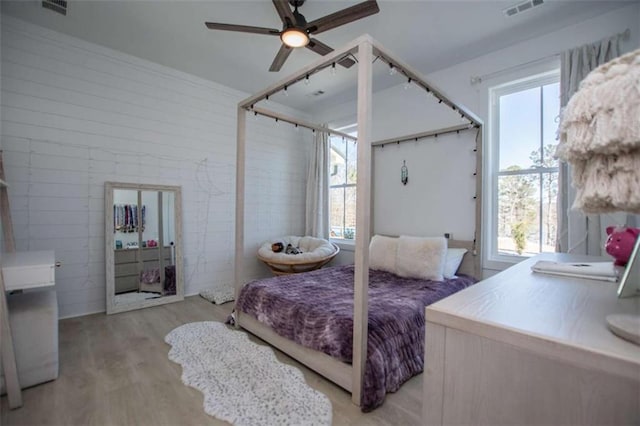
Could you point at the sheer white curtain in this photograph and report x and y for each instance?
(317, 206)
(577, 232)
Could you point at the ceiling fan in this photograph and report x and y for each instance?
(296, 30)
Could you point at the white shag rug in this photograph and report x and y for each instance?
(243, 383)
(219, 294)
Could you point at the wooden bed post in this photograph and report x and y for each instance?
(363, 226)
(240, 193)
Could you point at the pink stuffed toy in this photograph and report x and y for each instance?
(620, 243)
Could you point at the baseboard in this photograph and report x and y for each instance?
(84, 314)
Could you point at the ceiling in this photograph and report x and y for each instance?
(428, 34)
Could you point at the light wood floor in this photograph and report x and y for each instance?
(114, 370)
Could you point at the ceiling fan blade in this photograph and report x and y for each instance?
(344, 16)
(242, 28)
(281, 56)
(284, 11)
(322, 49)
(319, 47)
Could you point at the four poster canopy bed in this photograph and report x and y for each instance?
(362, 329)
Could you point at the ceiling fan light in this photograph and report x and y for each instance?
(294, 37)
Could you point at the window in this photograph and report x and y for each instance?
(524, 174)
(342, 187)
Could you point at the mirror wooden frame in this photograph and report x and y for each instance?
(109, 188)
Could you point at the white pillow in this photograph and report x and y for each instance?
(382, 253)
(421, 257)
(452, 262)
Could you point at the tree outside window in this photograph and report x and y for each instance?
(342, 188)
(527, 175)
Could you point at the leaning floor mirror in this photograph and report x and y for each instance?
(143, 253)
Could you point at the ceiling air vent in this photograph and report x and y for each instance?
(522, 7)
(59, 6)
(316, 93)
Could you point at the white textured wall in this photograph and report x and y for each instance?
(276, 179)
(75, 114)
(438, 198)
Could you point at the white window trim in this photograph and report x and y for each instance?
(344, 244)
(494, 260)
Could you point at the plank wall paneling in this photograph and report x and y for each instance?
(75, 114)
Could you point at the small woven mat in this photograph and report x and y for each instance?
(219, 294)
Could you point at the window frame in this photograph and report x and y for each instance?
(350, 129)
(493, 259)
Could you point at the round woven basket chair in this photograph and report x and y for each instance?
(315, 253)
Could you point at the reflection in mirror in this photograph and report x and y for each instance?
(143, 248)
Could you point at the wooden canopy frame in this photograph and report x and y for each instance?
(350, 377)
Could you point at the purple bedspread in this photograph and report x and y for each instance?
(315, 309)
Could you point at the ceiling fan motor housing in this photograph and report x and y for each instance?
(301, 22)
(296, 3)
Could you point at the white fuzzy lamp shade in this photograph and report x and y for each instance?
(600, 137)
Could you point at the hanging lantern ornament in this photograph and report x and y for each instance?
(404, 173)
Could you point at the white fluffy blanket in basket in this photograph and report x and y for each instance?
(312, 249)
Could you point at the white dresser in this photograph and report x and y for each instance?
(33, 316)
(24, 270)
(527, 348)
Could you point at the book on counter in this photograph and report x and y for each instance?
(602, 271)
